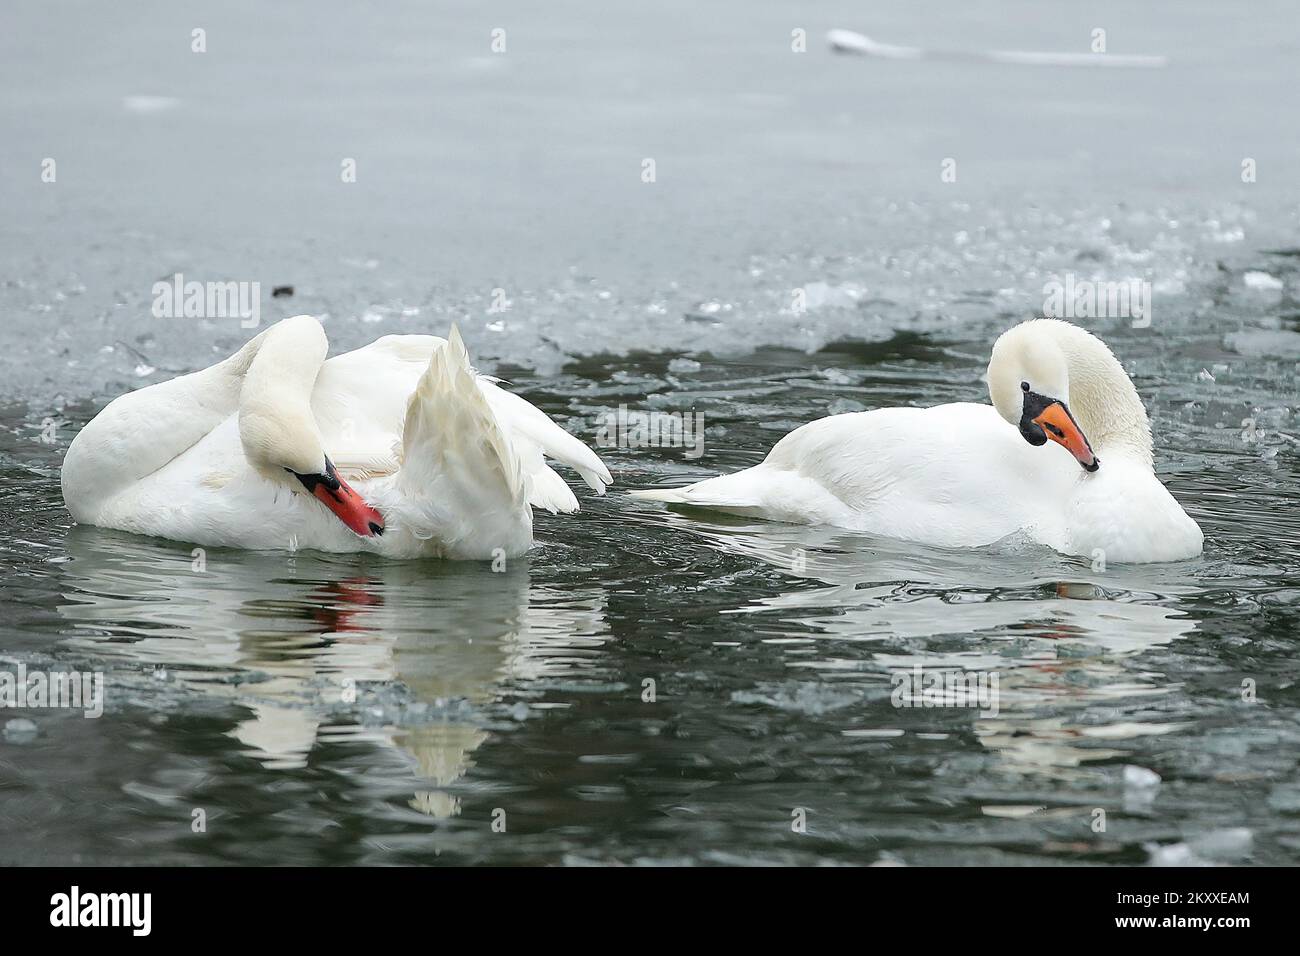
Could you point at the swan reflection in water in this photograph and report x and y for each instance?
(432, 648)
(303, 641)
(1064, 639)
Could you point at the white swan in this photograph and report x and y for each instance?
(398, 448)
(956, 475)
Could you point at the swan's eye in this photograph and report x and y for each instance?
(1024, 386)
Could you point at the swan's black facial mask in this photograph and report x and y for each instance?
(1045, 418)
(337, 495)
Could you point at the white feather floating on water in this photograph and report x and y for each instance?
(847, 41)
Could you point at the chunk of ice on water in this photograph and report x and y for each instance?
(20, 730)
(1140, 788)
(1261, 280)
(1227, 846)
(1217, 847)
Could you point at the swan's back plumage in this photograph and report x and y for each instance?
(901, 472)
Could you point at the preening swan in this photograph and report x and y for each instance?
(399, 448)
(965, 474)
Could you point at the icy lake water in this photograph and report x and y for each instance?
(338, 709)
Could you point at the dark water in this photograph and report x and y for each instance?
(523, 690)
(338, 709)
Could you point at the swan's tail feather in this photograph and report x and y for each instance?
(529, 424)
(547, 490)
(724, 491)
(458, 463)
(672, 496)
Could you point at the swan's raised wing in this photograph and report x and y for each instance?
(360, 402)
(535, 436)
(460, 476)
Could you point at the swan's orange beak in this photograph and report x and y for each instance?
(339, 497)
(1059, 425)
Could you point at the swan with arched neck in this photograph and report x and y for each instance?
(398, 448)
(1062, 455)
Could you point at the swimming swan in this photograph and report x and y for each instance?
(957, 476)
(398, 448)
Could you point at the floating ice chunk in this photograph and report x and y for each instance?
(1229, 845)
(1125, 729)
(819, 295)
(841, 406)
(1226, 846)
(1175, 854)
(1013, 811)
(847, 41)
(1261, 280)
(519, 711)
(1140, 788)
(20, 730)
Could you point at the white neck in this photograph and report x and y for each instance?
(1102, 396)
(276, 424)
